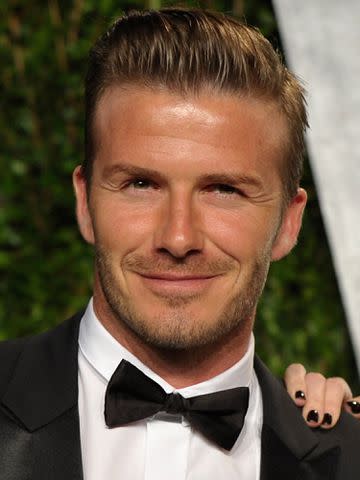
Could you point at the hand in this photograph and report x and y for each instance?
(321, 398)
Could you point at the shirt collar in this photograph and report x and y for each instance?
(105, 353)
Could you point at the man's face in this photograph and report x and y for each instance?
(185, 212)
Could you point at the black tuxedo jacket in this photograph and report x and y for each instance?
(39, 419)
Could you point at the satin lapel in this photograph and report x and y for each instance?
(290, 449)
(41, 405)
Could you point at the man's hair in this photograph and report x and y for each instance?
(188, 51)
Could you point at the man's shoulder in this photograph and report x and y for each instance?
(284, 430)
(12, 350)
(277, 396)
(342, 441)
(346, 431)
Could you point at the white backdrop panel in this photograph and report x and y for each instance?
(322, 45)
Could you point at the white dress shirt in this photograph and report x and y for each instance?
(158, 448)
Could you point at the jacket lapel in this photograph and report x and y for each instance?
(41, 404)
(289, 448)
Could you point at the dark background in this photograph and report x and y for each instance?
(45, 267)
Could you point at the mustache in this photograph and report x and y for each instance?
(190, 265)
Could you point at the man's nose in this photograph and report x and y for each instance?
(179, 231)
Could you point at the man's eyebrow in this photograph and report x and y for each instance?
(128, 169)
(232, 179)
(221, 178)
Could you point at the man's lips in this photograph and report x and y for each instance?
(173, 277)
(174, 283)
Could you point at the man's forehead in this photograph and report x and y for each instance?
(206, 107)
(163, 131)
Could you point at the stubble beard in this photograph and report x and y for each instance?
(175, 330)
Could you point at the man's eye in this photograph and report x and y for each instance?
(140, 183)
(225, 189)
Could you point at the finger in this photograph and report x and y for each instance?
(337, 391)
(313, 410)
(353, 406)
(294, 378)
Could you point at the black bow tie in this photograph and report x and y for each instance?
(132, 396)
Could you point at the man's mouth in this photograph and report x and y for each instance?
(175, 283)
(176, 277)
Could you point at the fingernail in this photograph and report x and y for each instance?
(300, 394)
(355, 406)
(327, 420)
(313, 416)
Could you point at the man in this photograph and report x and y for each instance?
(189, 189)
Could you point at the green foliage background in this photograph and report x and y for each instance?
(45, 267)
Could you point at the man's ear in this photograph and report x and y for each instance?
(82, 207)
(290, 226)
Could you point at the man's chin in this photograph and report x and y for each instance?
(180, 328)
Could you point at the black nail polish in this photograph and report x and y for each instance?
(355, 406)
(313, 416)
(300, 394)
(327, 420)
